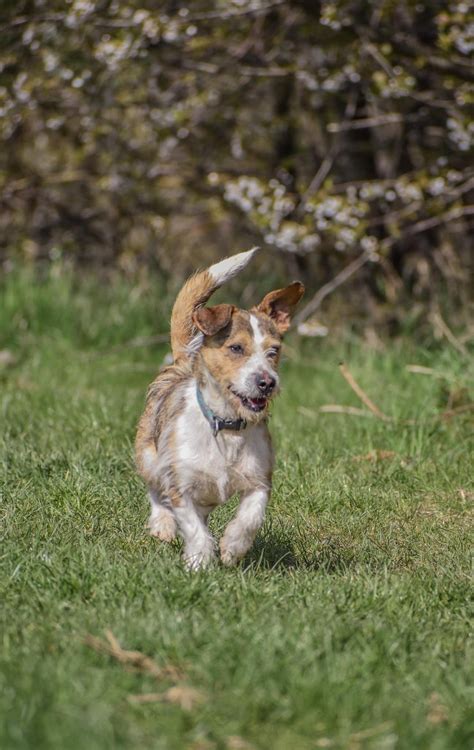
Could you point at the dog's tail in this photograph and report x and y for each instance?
(194, 294)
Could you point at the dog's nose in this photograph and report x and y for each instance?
(265, 382)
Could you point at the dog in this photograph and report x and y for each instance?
(204, 435)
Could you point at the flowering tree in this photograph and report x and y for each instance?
(336, 132)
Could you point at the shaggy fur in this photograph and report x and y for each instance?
(232, 356)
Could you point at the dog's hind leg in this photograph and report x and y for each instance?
(161, 523)
(240, 533)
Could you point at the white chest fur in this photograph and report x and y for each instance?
(211, 469)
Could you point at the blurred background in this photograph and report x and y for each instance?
(146, 137)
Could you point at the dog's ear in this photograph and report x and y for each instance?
(210, 320)
(280, 304)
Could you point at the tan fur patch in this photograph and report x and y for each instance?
(163, 404)
(279, 305)
(210, 320)
(218, 359)
(266, 324)
(193, 295)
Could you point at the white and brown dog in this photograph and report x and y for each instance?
(203, 436)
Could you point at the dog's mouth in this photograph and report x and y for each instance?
(254, 404)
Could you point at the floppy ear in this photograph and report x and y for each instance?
(210, 320)
(280, 304)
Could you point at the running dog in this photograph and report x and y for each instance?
(203, 435)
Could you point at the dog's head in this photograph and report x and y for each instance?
(241, 348)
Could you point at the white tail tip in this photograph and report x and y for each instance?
(229, 267)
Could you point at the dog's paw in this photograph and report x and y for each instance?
(163, 527)
(198, 560)
(229, 559)
(231, 554)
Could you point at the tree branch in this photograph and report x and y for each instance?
(425, 224)
(223, 15)
(336, 282)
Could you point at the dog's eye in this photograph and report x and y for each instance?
(236, 349)
(272, 353)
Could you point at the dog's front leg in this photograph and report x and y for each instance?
(240, 533)
(162, 523)
(199, 546)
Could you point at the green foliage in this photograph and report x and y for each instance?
(324, 129)
(348, 624)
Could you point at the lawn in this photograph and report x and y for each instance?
(348, 624)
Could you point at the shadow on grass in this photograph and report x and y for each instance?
(277, 551)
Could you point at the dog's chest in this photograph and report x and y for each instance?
(214, 468)
(221, 468)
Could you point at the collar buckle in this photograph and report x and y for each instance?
(217, 423)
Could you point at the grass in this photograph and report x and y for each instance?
(346, 627)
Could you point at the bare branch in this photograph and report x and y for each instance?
(422, 226)
(367, 122)
(394, 215)
(328, 161)
(349, 378)
(118, 23)
(444, 329)
(454, 64)
(457, 411)
(463, 187)
(22, 20)
(378, 57)
(135, 659)
(184, 696)
(354, 411)
(373, 408)
(223, 15)
(244, 70)
(336, 282)
(422, 370)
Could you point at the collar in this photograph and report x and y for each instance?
(218, 423)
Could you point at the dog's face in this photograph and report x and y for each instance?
(241, 349)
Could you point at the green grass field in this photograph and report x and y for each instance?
(348, 624)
